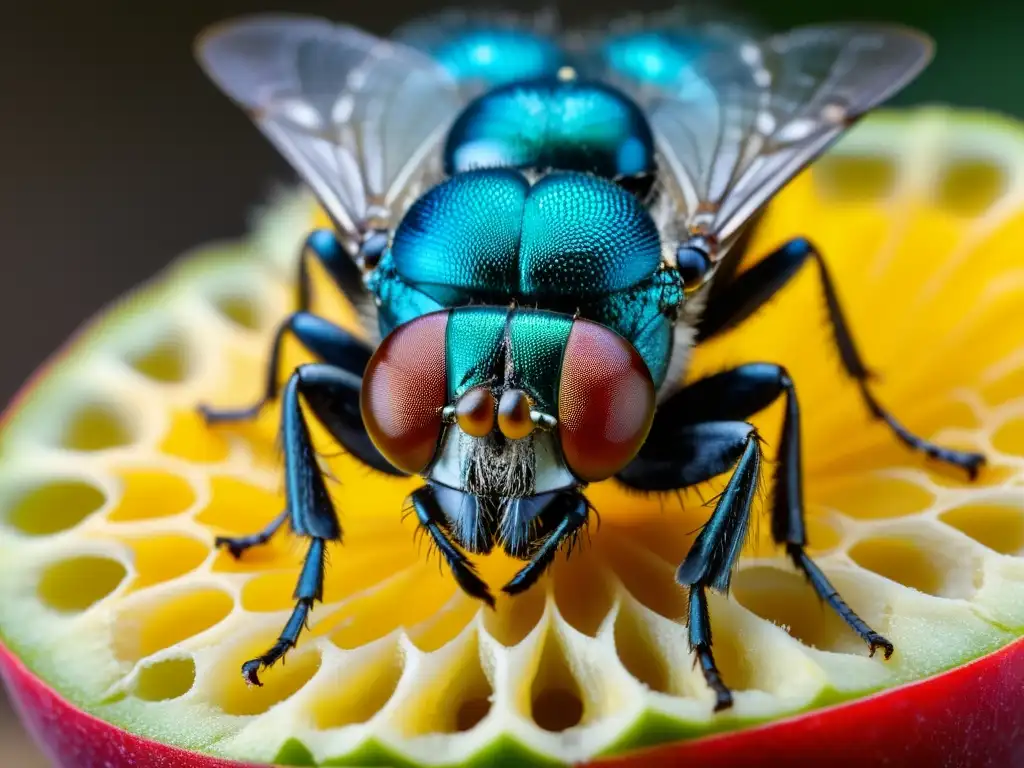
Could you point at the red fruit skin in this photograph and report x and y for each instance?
(969, 717)
(71, 738)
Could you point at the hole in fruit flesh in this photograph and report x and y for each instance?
(96, 426)
(788, 601)
(143, 628)
(1000, 527)
(79, 582)
(53, 506)
(191, 439)
(242, 310)
(969, 186)
(238, 507)
(162, 558)
(471, 712)
(556, 702)
(356, 698)
(873, 497)
(921, 564)
(1007, 387)
(164, 680)
(855, 178)
(454, 696)
(1009, 438)
(638, 651)
(821, 535)
(166, 360)
(234, 696)
(151, 493)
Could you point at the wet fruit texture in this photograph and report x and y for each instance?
(112, 490)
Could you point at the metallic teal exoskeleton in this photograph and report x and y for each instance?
(537, 227)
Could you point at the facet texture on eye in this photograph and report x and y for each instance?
(605, 402)
(404, 390)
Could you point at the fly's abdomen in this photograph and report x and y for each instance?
(552, 123)
(663, 57)
(487, 54)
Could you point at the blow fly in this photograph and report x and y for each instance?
(538, 227)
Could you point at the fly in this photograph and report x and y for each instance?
(538, 229)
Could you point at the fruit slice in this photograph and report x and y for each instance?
(112, 489)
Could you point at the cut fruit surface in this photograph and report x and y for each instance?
(112, 490)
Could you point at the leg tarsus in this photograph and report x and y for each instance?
(228, 415)
(329, 343)
(700, 645)
(309, 590)
(236, 545)
(823, 587)
(970, 461)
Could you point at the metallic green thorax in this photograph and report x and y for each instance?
(570, 242)
(520, 348)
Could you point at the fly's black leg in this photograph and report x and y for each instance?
(432, 519)
(325, 247)
(325, 340)
(700, 646)
(753, 288)
(674, 455)
(571, 510)
(332, 394)
(236, 545)
(682, 455)
(309, 589)
(828, 593)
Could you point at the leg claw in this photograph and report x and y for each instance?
(723, 700)
(231, 544)
(876, 641)
(250, 672)
(973, 464)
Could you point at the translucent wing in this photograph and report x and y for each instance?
(358, 117)
(736, 125)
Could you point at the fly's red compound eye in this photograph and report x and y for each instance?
(605, 402)
(404, 390)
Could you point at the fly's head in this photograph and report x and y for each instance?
(550, 403)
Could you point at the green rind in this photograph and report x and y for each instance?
(503, 752)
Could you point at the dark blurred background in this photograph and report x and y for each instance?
(116, 154)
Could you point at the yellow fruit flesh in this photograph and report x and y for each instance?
(112, 489)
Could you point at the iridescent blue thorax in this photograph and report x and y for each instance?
(569, 242)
